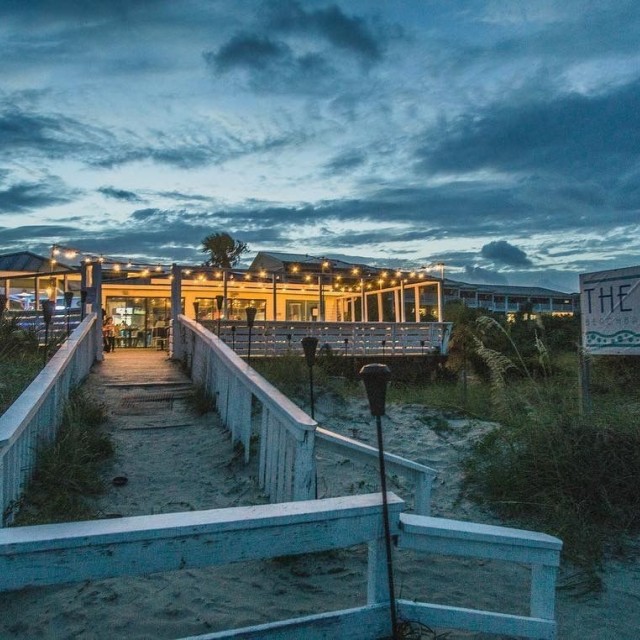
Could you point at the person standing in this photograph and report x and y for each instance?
(109, 334)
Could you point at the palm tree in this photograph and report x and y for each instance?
(223, 249)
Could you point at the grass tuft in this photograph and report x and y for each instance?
(68, 469)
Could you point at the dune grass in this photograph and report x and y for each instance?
(20, 360)
(548, 464)
(67, 471)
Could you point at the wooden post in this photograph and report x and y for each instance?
(176, 345)
(586, 405)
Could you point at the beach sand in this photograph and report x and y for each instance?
(180, 465)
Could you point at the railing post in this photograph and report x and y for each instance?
(423, 495)
(543, 591)
(304, 470)
(377, 582)
(176, 344)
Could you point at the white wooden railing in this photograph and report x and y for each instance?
(419, 475)
(341, 338)
(35, 416)
(62, 322)
(286, 452)
(287, 434)
(72, 552)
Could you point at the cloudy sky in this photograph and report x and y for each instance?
(501, 138)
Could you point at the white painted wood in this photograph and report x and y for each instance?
(71, 552)
(543, 589)
(470, 539)
(377, 577)
(36, 414)
(236, 384)
(438, 616)
(421, 475)
(362, 623)
(270, 338)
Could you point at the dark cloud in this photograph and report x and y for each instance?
(36, 238)
(275, 62)
(23, 197)
(580, 136)
(48, 135)
(345, 162)
(502, 252)
(120, 194)
(145, 214)
(344, 32)
(273, 67)
(24, 131)
(248, 51)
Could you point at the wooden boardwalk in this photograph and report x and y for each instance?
(139, 367)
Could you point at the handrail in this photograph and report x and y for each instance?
(541, 552)
(420, 474)
(269, 338)
(71, 552)
(233, 382)
(287, 434)
(35, 415)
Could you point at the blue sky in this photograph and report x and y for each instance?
(501, 138)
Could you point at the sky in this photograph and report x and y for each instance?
(501, 138)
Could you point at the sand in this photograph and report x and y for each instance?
(177, 464)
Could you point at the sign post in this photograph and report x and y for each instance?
(610, 308)
(610, 317)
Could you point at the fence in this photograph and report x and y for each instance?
(287, 469)
(62, 323)
(72, 552)
(35, 416)
(340, 338)
(420, 476)
(286, 453)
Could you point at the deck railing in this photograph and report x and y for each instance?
(62, 322)
(35, 416)
(79, 551)
(419, 475)
(340, 338)
(286, 448)
(287, 469)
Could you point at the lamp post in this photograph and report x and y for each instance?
(375, 377)
(219, 303)
(309, 345)
(251, 316)
(233, 337)
(196, 309)
(68, 297)
(48, 307)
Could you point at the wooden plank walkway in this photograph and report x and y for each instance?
(172, 458)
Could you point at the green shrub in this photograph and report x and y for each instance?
(548, 465)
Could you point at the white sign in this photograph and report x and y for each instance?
(610, 307)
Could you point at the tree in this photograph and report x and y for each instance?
(223, 249)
